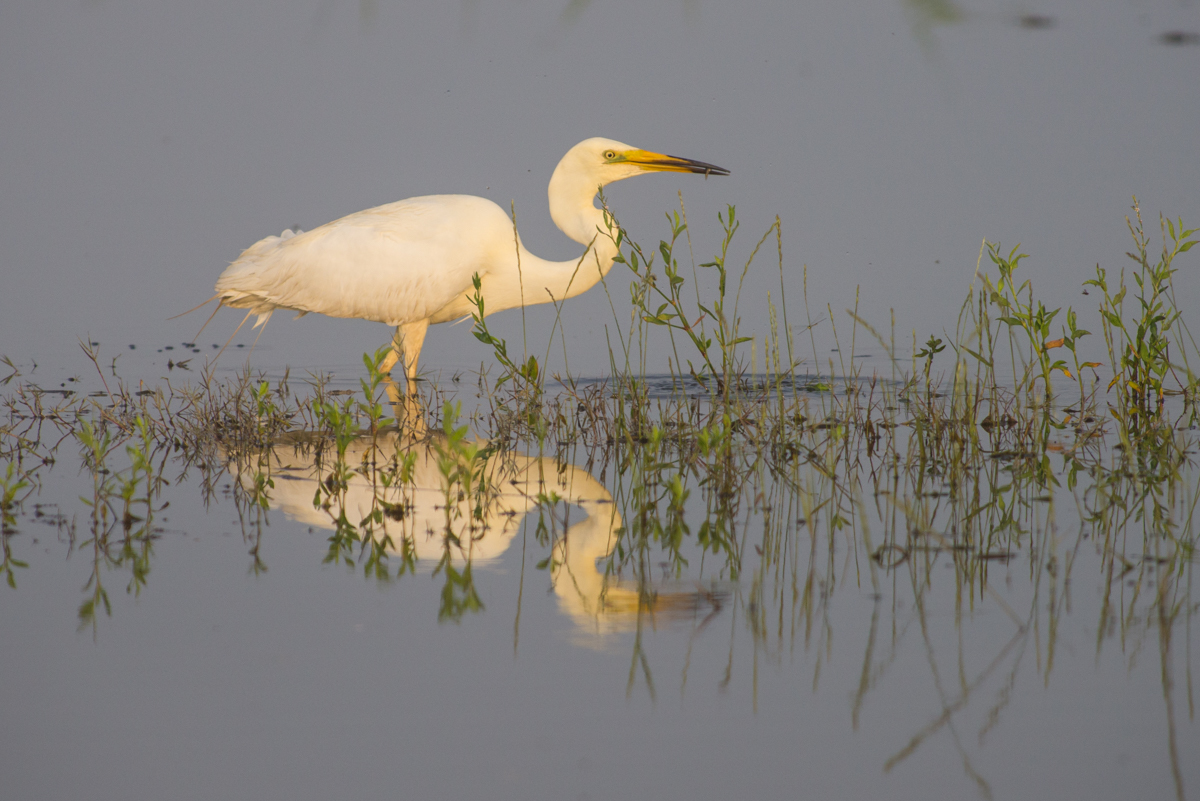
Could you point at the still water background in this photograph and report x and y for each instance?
(145, 145)
(142, 146)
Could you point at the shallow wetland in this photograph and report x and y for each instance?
(826, 491)
(930, 570)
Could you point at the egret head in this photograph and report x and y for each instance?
(596, 162)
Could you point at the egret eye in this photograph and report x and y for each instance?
(610, 154)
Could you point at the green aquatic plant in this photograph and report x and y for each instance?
(932, 348)
(1139, 343)
(1021, 312)
(459, 595)
(670, 311)
(11, 485)
(372, 404)
(462, 463)
(116, 492)
(527, 373)
(711, 326)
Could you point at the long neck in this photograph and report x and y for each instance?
(572, 196)
(573, 209)
(572, 193)
(544, 280)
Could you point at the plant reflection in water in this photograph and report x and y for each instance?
(456, 503)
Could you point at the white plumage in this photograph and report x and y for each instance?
(410, 264)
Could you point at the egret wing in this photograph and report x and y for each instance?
(397, 263)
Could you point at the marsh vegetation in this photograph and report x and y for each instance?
(986, 475)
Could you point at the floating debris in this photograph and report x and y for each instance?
(1175, 38)
(1036, 22)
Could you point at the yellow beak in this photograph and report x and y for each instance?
(659, 162)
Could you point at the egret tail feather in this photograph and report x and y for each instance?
(234, 334)
(206, 322)
(262, 322)
(205, 303)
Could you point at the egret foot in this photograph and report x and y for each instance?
(406, 348)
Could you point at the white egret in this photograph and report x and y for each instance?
(410, 264)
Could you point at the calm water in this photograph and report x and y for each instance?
(143, 146)
(860, 637)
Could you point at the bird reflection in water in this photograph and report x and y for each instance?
(423, 498)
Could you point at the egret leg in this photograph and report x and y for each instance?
(406, 348)
(407, 409)
(390, 360)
